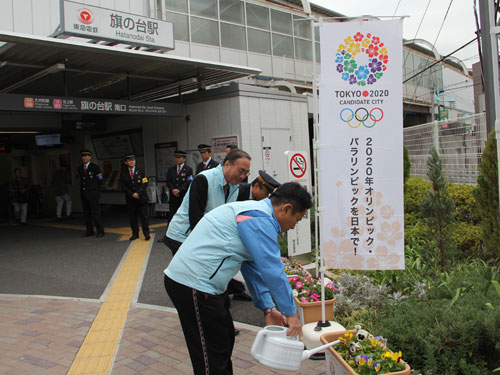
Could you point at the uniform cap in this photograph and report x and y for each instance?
(129, 156)
(180, 154)
(203, 147)
(266, 180)
(85, 152)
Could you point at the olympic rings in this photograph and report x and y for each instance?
(373, 116)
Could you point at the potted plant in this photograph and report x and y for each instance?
(360, 353)
(307, 293)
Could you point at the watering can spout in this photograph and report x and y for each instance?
(306, 354)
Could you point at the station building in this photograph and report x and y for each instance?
(230, 71)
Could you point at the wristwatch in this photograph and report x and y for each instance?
(268, 310)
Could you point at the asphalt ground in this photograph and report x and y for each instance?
(49, 257)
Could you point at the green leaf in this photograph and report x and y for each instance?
(454, 299)
(378, 75)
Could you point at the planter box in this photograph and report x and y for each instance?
(335, 364)
(310, 312)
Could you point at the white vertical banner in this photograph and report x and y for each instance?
(361, 145)
(299, 238)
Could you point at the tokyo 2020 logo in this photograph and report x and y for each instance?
(359, 45)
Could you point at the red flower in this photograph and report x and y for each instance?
(384, 58)
(358, 37)
(376, 40)
(372, 50)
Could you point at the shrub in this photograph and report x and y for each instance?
(456, 331)
(416, 191)
(487, 198)
(465, 203)
(467, 240)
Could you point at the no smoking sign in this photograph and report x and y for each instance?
(298, 165)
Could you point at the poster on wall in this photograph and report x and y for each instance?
(361, 152)
(219, 147)
(165, 158)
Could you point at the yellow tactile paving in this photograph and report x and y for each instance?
(98, 350)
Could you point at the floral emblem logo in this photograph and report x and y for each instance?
(354, 72)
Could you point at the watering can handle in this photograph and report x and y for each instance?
(308, 353)
(257, 345)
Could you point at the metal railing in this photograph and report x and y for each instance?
(460, 143)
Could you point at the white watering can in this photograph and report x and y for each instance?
(273, 348)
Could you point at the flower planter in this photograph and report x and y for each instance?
(335, 364)
(310, 312)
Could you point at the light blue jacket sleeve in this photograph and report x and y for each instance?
(265, 276)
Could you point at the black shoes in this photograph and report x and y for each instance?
(236, 332)
(147, 237)
(88, 234)
(243, 296)
(134, 237)
(98, 235)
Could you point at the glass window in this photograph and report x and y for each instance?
(232, 11)
(177, 5)
(282, 45)
(259, 41)
(204, 8)
(257, 16)
(303, 49)
(180, 22)
(281, 22)
(318, 53)
(302, 27)
(204, 31)
(233, 36)
(158, 9)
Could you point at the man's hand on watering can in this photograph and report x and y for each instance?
(275, 318)
(294, 326)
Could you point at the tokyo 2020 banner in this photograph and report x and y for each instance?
(361, 145)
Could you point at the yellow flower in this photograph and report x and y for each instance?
(383, 51)
(386, 355)
(365, 42)
(341, 47)
(348, 40)
(353, 48)
(373, 342)
(396, 357)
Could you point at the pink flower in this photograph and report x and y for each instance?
(303, 299)
(315, 297)
(299, 285)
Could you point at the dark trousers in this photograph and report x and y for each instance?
(173, 205)
(137, 210)
(172, 244)
(208, 328)
(92, 211)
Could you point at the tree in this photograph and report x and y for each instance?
(487, 197)
(438, 208)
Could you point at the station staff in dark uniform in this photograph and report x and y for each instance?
(133, 182)
(206, 157)
(179, 178)
(259, 188)
(90, 181)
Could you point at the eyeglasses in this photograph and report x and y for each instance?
(242, 172)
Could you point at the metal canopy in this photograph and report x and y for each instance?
(46, 66)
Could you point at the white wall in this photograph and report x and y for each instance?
(461, 88)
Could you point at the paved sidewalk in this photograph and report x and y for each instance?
(40, 336)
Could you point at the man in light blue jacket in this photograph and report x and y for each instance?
(240, 235)
(209, 189)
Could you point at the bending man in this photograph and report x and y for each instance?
(240, 235)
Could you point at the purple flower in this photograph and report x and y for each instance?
(352, 79)
(371, 79)
(340, 68)
(375, 65)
